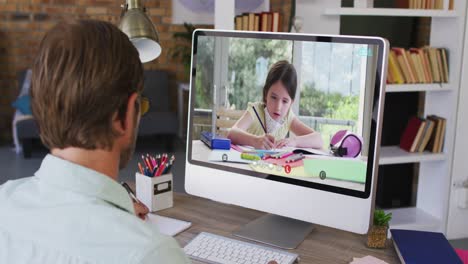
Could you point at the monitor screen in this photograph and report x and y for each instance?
(291, 108)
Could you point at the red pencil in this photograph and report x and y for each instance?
(161, 169)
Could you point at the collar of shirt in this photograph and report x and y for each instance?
(67, 175)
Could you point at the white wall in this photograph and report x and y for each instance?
(315, 21)
(457, 223)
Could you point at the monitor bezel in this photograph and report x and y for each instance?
(378, 100)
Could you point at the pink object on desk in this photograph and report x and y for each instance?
(235, 147)
(282, 162)
(463, 254)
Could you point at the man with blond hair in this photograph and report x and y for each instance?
(86, 98)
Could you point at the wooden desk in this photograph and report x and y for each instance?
(323, 245)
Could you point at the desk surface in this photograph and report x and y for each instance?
(201, 152)
(323, 245)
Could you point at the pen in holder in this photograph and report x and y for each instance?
(154, 192)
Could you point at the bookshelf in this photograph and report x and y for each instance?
(402, 12)
(395, 155)
(432, 87)
(434, 190)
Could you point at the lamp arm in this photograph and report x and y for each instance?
(124, 9)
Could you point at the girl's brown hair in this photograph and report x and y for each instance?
(286, 73)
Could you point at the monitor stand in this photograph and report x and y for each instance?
(275, 230)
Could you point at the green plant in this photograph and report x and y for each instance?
(182, 50)
(381, 218)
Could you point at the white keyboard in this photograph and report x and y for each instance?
(212, 248)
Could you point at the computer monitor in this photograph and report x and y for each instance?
(340, 89)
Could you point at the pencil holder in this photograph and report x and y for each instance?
(154, 192)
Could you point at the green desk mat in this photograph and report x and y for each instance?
(345, 169)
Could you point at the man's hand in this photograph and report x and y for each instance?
(140, 210)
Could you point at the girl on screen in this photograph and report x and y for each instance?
(265, 125)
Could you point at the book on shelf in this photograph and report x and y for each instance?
(429, 127)
(437, 141)
(251, 18)
(276, 23)
(395, 71)
(423, 4)
(265, 21)
(418, 136)
(417, 65)
(402, 60)
(423, 247)
(257, 22)
(444, 64)
(245, 21)
(238, 23)
(423, 134)
(410, 133)
(414, 56)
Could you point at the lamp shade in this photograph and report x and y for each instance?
(141, 32)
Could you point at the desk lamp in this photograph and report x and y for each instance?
(140, 30)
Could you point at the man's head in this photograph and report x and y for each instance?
(86, 85)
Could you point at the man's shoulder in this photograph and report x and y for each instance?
(11, 187)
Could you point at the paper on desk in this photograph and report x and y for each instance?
(166, 225)
(367, 260)
(227, 156)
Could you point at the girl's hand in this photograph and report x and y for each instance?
(265, 142)
(286, 142)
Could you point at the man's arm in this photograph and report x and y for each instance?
(167, 251)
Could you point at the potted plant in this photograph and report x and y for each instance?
(377, 236)
(183, 49)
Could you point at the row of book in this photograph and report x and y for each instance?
(265, 21)
(417, 65)
(423, 4)
(423, 134)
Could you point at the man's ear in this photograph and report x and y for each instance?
(127, 121)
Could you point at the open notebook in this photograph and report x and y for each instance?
(305, 151)
(166, 225)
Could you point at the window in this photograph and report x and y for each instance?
(331, 81)
(249, 61)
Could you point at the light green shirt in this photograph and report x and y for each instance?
(256, 128)
(67, 213)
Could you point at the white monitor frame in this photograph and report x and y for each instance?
(331, 206)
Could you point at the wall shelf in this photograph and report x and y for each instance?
(415, 219)
(395, 155)
(419, 87)
(350, 11)
(435, 208)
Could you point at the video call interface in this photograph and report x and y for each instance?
(299, 110)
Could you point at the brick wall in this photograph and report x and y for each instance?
(24, 22)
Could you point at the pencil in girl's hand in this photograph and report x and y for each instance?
(259, 120)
